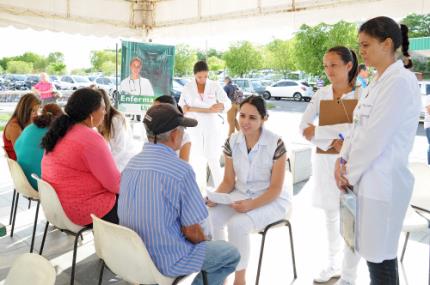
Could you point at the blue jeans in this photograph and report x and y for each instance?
(221, 259)
(385, 273)
(428, 139)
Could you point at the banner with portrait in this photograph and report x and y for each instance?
(146, 73)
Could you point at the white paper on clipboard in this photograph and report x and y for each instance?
(348, 213)
(226, 198)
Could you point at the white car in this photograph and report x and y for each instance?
(425, 91)
(74, 82)
(289, 89)
(106, 83)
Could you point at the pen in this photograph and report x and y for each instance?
(341, 137)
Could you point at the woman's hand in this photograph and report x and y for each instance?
(337, 145)
(209, 203)
(339, 174)
(243, 206)
(186, 108)
(309, 132)
(216, 108)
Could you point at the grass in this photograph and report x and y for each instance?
(270, 106)
(3, 120)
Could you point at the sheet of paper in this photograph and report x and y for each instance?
(226, 199)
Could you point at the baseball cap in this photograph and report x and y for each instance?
(165, 117)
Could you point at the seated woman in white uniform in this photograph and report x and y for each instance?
(254, 170)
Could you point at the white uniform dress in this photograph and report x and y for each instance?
(207, 137)
(253, 176)
(325, 193)
(384, 128)
(141, 86)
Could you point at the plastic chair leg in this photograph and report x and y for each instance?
(44, 238)
(34, 226)
(14, 214)
(12, 206)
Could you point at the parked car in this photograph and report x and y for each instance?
(289, 89)
(252, 86)
(176, 90)
(15, 82)
(31, 80)
(74, 82)
(181, 81)
(106, 83)
(425, 91)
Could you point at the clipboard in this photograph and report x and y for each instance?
(334, 112)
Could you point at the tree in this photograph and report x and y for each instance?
(16, 66)
(54, 57)
(57, 68)
(311, 43)
(419, 25)
(39, 62)
(1, 69)
(215, 63)
(108, 68)
(185, 57)
(99, 57)
(280, 56)
(79, 71)
(241, 58)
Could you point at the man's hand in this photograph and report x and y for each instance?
(243, 206)
(216, 108)
(309, 132)
(339, 174)
(337, 145)
(194, 233)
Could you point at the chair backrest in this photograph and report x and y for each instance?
(20, 181)
(31, 268)
(125, 254)
(421, 193)
(52, 208)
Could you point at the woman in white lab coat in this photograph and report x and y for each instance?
(117, 133)
(375, 156)
(253, 177)
(341, 67)
(203, 99)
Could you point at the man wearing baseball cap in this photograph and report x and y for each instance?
(160, 200)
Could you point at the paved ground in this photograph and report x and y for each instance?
(307, 222)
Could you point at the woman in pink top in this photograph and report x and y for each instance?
(45, 90)
(78, 162)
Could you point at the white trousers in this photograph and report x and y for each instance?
(239, 227)
(335, 245)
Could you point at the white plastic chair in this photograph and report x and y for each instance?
(14, 193)
(31, 269)
(23, 187)
(413, 222)
(124, 253)
(421, 194)
(55, 215)
(288, 180)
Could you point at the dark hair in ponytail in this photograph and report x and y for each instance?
(405, 46)
(347, 55)
(383, 28)
(80, 105)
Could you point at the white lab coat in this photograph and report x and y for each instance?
(382, 136)
(141, 86)
(121, 144)
(207, 137)
(325, 193)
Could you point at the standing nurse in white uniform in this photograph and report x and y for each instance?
(341, 67)
(376, 153)
(203, 99)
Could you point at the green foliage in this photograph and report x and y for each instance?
(17, 66)
(311, 43)
(108, 68)
(419, 25)
(421, 65)
(279, 56)
(185, 57)
(241, 58)
(100, 57)
(79, 71)
(215, 63)
(56, 68)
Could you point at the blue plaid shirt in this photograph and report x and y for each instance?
(158, 196)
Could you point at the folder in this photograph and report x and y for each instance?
(334, 112)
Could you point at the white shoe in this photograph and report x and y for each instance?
(326, 275)
(343, 282)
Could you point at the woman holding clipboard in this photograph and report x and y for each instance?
(375, 155)
(341, 67)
